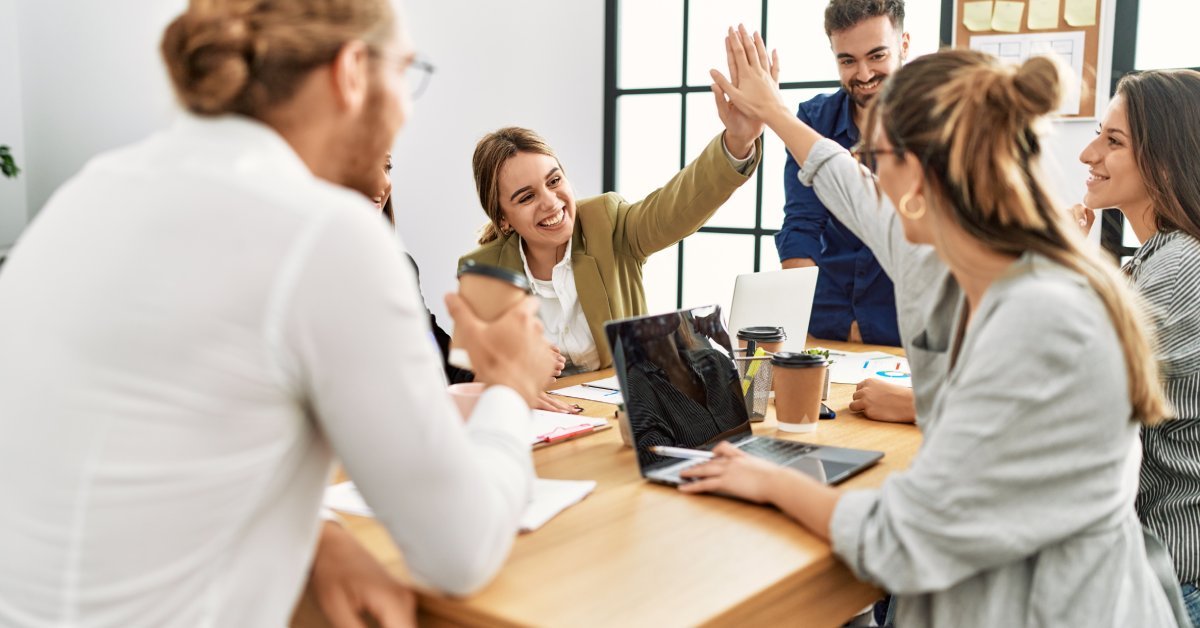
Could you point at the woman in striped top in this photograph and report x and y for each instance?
(1144, 163)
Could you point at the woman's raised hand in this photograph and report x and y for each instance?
(752, 89)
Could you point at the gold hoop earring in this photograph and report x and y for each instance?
(903, 207)
(506, 230)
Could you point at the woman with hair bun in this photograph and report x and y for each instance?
(1018, 509)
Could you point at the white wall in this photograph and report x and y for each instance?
(533, 63)
(12, 134)
(92, 79)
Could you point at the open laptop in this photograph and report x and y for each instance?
(778, 298)
(681, 389)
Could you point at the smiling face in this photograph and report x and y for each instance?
(537, 200)
(1113, 176)
(867, 53)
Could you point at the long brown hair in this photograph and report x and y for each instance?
(1163, 107)
(491, 153)
(244, 56)
(970, 121)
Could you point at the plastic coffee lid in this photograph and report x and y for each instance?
(764, 333)
(471, 267)
(788, 359)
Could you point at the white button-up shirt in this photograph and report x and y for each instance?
(562, 316)
(191, 329)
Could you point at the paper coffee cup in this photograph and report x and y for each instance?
(465, 396)
(489, 291)
(799, 382)
(769, 337)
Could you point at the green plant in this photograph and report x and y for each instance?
(7, 165)
(824, 353)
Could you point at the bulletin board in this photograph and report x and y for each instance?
(1016, 29)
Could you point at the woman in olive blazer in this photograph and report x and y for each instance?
(610, 238)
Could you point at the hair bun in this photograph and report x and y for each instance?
(208, 59)
(1037, 86)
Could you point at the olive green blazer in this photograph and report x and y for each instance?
(613, 237)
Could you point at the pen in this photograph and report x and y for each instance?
(681, 452)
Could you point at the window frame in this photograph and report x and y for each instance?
(612, 93)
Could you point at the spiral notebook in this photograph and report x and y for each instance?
(548, 428)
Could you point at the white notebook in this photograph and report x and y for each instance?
(550, 497)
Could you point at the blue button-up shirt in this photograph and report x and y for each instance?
(851, 286)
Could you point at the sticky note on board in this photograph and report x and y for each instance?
(1007, 16)
(1043, 14)
(1080, 12)
(977, 16)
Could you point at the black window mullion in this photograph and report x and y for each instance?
(1124, 53)
(611, 42)
(682, 142)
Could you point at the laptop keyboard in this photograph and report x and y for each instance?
(775, 449)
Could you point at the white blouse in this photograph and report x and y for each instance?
(562, 316)
(192, 329)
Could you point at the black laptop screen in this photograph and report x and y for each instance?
(679, 382)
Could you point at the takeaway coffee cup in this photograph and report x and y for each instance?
(490, 291)
(799, 381)
(465, 396)
(768, 337)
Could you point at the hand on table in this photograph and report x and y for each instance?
(551, 403)
(348, 583)
(733, 472)
(509, 351)
(882, 401)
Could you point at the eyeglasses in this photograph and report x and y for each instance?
(417, 76)
(417, 71)
(869, 157)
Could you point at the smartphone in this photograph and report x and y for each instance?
(827, 412)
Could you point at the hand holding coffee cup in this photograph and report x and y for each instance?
(489, 291)
(509, 350)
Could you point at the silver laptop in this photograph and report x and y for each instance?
(778, 298)
(681, 389)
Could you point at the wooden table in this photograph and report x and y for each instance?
(638, 554)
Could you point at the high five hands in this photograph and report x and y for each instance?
(751, 93)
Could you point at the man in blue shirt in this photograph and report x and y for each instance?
(854, 299)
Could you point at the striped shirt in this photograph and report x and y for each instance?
(1166, 271)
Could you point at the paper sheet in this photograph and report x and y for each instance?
(1066, 45)
(852, 368)
(1080, 12)
(550, 497)
(609, 383)
(1007, 17)
(557, 422)
(977, 16)
(591, 394)
(1043, 14)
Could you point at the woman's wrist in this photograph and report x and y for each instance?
(740, 148)
(778, 116)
